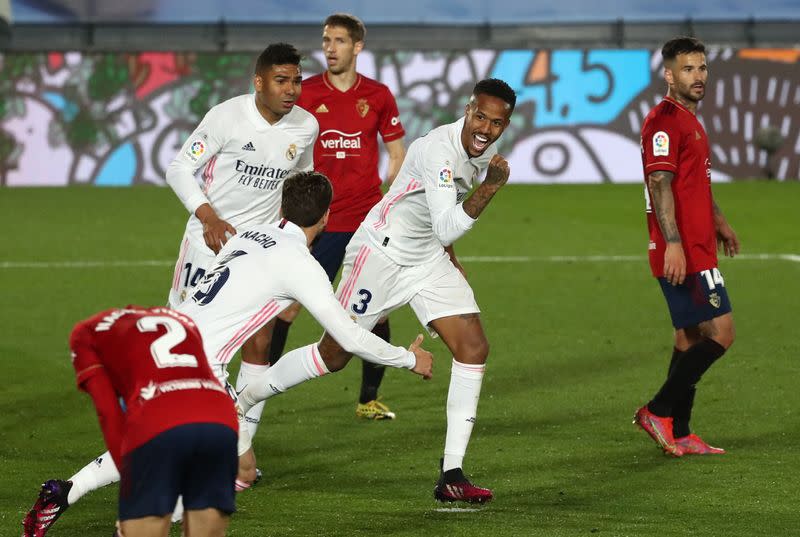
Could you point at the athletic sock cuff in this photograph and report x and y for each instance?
(713, 348)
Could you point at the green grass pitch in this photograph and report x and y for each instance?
(577, 345)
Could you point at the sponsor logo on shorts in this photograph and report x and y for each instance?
(715, 300)
(660, 144)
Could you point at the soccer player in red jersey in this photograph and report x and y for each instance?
(177, 419)
(352, 111)
(686, 226)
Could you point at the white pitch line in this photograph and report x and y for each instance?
(457, 510)
(795, 258)
(83, 264)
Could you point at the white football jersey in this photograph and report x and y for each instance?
(241, 161)
(421, 213)
(259, 273)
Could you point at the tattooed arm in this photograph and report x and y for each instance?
(496, 177)
(660, 185)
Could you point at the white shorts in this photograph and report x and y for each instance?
(244, 442)
(373, 285)
(192, 265)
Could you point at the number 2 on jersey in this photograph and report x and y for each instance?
(161, 348)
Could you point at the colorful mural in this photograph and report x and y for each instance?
(117, 119)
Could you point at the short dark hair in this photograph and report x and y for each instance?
(681, 45)
(496, 88)
(306, 197)
(355, 28)
(277, 54)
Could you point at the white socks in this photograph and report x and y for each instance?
(293, 368)
(100, 472)
(248, 373)
(462, 407)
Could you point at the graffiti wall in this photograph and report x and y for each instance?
(118, 119)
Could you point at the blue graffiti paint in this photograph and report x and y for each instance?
(579, 87)
(67, 108)
(119, 169)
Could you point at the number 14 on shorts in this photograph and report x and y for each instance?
(713, 278)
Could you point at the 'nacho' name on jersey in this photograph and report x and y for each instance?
(261, 238)
(261, 177)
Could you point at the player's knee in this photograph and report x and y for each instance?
(475, 352)
(334, 356)
(722, 330)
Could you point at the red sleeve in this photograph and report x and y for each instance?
(84, 357)
(661, 139)
(109, 413)
(93, 379)
(389, 123)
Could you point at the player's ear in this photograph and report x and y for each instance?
(258, 82)
(668, 75)
(358, 47)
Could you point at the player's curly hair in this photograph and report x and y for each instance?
(306, 197)
(496, 88)
(355, 28)
(681, 45)
(277, 54)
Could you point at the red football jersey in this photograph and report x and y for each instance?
(347, 147)
(674, 141)
(155, 362)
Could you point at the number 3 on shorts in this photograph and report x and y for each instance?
(361, 307)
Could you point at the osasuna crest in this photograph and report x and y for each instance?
(291, 152)
(714, 300)
(363, 107)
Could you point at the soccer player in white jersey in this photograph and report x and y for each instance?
(242, 151)
(257, 274)
(402, 254)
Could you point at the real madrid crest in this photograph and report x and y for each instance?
(363, 107)
(291, 152)
(715, 300)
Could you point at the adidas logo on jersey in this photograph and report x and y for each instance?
(321, 108)
(248, 147)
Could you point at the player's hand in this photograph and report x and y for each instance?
(497, 172)
(424, 365)
(674, 263)
(727, 240)
(216, 232)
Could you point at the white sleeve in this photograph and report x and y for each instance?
(306, 162)
(309, 285)
(448, 218)
(205, 142)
